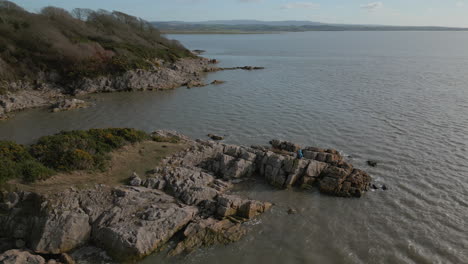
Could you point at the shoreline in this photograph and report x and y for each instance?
(46, 93)
(185, 199)
(189, 72)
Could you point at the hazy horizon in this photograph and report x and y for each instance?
(450, 13)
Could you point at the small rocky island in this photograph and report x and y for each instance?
(185, 200)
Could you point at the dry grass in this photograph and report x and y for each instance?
(138, 158)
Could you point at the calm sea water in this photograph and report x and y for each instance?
(397, 97)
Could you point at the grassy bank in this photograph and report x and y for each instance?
(81, 157)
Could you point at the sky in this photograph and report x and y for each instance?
(386, 12)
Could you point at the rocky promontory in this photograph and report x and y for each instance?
(185, 199)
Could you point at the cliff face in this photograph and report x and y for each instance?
(187, 194)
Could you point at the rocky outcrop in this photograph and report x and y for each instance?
(139, 221)
(47, 90)
(185, 199)
(24, 98)
(184, 72)
(68, 104)
(246, 68)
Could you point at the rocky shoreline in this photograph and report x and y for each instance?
(185, 200)
(45, 92)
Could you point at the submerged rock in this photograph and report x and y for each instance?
(372, 163)
(68, 104)
(217, 82)
(194, 83)
(247, 68)
(215, 137)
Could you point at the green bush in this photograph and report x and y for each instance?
(17, 163)
(8, 170)
(32, 171)
(83, 150)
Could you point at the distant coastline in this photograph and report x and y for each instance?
(265, 27)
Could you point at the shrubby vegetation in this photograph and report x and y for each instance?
(83, 43)
(65, 151)
(16, 162)
(83, 150)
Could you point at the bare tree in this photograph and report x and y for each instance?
(81, 13)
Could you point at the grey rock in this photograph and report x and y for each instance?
(208, 232)
(91, 255)
(135, 180)
(60, 232)
(215, 137)
(20, 257)
(140, 223)
(68, 104)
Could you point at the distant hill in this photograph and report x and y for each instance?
(250, 22)
(256, 26)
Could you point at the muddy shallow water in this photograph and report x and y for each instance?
(400, 98)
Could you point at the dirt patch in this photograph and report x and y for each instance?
(138, 158)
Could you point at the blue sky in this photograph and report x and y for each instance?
(388, 12)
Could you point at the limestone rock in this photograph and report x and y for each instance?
(230, 205)
(61, 232)
(208, 232)
(135, 180)
(341, 182)
(68, 104)
(91, 255)
(285, 145)
(20, 257)
(195, 83)
(139, 223)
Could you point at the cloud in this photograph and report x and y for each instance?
(372, 6)
(300, 5)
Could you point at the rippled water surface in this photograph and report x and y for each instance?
(397, 97)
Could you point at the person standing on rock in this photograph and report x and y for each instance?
(300, 155)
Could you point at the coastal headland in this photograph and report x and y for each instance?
(177, 198)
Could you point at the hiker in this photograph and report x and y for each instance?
(300, 155)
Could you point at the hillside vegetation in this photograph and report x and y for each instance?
(81, 43)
